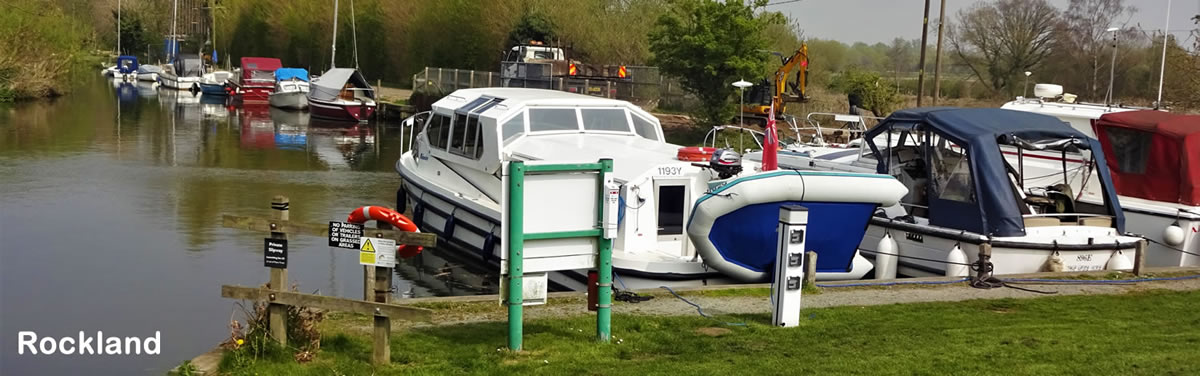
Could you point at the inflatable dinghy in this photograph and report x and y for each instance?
(733, 226)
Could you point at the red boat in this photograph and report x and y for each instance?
(257, 79)
(341, 94)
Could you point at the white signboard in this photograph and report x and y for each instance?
(554, 202)
(533, 289)
(376, 251)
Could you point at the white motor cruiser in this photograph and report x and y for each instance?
(681, 223)
(963, 191)
(291, 89)
(1149, 154)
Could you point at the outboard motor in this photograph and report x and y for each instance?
(726, 163)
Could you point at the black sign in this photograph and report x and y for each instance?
(345, 234)
(275, 253)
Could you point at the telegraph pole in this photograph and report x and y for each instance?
(937, 58)
(924, 40)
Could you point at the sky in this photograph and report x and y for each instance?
(873, 21)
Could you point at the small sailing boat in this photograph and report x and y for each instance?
(341, 93)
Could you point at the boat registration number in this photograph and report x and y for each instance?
(1083, 262)
(670, 171)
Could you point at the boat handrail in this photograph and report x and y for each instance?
(1088, 215)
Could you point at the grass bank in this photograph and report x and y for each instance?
(1145, 332)
(41, 48)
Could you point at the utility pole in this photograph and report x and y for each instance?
(924, 40)
(937, 59)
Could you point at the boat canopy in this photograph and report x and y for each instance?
(127, 64)
(259, 67)
(1153, 155)
(290, 73)
(988, 205)
(330, 84)
(188, 65)
(149, 68)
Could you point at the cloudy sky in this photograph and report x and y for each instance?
(874, 21)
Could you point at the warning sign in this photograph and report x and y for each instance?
(345, 234)
(377, 252)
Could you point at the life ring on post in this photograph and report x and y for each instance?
(397, 220)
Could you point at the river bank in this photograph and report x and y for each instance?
(41, 50)
(1109, 323)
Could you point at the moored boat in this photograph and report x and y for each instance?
(255, 81)
(215, 83)
(183, 73)
(341, 94)
(148, 72)
(291, 89)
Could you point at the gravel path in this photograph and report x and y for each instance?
(665, 304)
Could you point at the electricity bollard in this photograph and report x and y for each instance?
(789, 266)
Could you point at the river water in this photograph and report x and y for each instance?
(111, 205)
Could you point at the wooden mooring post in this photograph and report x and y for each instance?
(377, 281)
(1139, 257)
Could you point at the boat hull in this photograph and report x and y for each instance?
(179, 83)
(213, 89)
(342, 110)
(296, 100)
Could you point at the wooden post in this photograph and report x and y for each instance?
(608, 89)
(277, 313)
(472, 80)
(382, 353)
(810, 268)
(985, 258)
(490, 79)
(1139, 257)
(456, 79)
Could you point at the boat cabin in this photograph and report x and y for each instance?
(127, 64)
(958, 177)
(259, 71)
(342, 83)
(1153, 155)
(188, 65)
(481, 127)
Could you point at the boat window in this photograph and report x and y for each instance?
(466, 139)
(604, 119)
(552, 119)
(671, 201)
(1130, 147)
(952, 172)
(645, 128)
(438, 131)
(513, 128)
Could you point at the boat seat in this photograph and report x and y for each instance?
(1096, 221)
(1042, 222)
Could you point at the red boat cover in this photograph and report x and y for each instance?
(1153, 155)
(260, 64)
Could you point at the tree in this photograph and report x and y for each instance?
(132, 34)
(708, 45)
(532, 26)
(1083, 40)
(1000, 41)
(875, 94)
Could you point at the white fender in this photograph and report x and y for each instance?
(1118, 261)
(956, 255)
(1173, 235)
(885, 259)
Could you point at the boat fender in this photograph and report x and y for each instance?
(885, 258)
(953, 260)
(401, 199)
(397, 220)
(1118, 261)
(418, 213)
(1173, 235)
(1054, 263)
(448, 229)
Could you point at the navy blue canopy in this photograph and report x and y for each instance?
(994, 210)
(127, 64)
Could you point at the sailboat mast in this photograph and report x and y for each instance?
(354, 34)
(118, 27)
(174, 37)
(333, 55)
(1162, 68)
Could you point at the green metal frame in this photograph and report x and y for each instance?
(516, 238)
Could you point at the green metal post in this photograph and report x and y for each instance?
(516, 241)
(604, 300)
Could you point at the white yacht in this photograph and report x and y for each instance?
(452, 182)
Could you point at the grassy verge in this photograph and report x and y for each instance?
(1149, 332)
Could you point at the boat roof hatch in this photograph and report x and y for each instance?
(1153, 155)
(991, 208)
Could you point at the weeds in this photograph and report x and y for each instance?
(251, 341)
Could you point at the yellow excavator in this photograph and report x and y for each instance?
(774, 89)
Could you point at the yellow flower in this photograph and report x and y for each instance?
(240, 341)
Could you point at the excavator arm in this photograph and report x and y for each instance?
(781, 91)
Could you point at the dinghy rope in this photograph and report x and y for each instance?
(1168, 246)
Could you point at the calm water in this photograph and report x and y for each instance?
(110, 217)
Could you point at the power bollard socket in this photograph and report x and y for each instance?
(789, 266)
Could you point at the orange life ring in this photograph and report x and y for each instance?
(402, 223)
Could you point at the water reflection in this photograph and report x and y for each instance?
(141, 177)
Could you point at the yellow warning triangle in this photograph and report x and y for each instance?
(367, 247)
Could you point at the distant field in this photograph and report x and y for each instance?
(1142, 333)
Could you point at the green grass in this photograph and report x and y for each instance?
(1150, 332)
